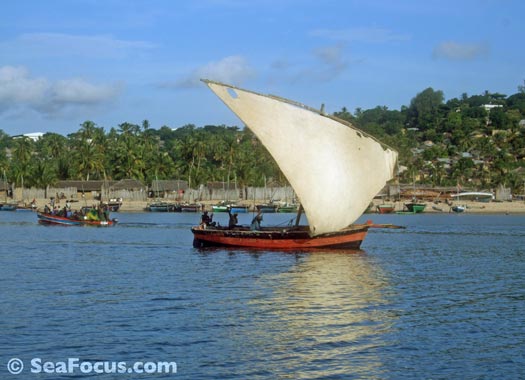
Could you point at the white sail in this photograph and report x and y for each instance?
(334, 168)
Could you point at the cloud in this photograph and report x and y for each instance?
(328, 63)
(232, 70)
(19, 90)
(367, 35)
(460, 52)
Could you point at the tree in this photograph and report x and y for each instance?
(423, 112)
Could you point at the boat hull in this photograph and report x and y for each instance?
(60, 220)
(278, 238)
(385, 209)
(415, 207)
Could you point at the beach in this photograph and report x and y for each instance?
(514, 207)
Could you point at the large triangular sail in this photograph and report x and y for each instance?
(334, 168)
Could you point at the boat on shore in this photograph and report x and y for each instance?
(113, 204)
(385, 208)
(415, 208)
(326, 150)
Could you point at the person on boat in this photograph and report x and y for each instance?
(256, 222)
(206, 220)
(233, 219)
(47, 210)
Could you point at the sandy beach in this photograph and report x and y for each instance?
(515, 207)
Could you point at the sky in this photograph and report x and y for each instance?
(63, 62)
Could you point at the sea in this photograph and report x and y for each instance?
(443, 298)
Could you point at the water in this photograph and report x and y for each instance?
(441, 299)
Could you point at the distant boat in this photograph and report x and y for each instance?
(113, 204)
(226, 206)
(458, 208)
(287, 208)
(81, 220)
(473, 196)
(325, 150)
(187, 207)
(267, 208)
(385, 208)
(415, 208)
(8, 207)
(162, 207)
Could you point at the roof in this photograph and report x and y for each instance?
(84, 185)
(168, 185)
(127, 184)
(124, 184)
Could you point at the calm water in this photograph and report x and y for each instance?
(443, 299)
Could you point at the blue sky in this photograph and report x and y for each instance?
(63, 62)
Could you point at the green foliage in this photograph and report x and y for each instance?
(441, 143)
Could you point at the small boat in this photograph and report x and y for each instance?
(221, 207)
(8, 207)
(239, 209)
(326, 150)
(287, 208)
(458, 208)
(113, 204)
(79, 220)
(267, 208)
(415, 208)
(385, 208)
(161, 207)
(226, 206)
(193, 207)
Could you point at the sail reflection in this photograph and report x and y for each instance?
(326, 317)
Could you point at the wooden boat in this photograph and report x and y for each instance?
(226, 206)
(113, 204)
(415, 208)
(162, 207)
(187, 207)
(287, 208)
(221, 207)
(325, 150)
(239, 209)
(385, 208)
(50, 219)
(8, 207)
(267, 208)
(458, 208)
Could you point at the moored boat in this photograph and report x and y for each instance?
(187, 207)
(75, 220)
(385, 208)
(415, 208)
(8, 207)
(325, 150)
(162, 207)
(267, 208)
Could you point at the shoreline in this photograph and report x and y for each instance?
(513, 207)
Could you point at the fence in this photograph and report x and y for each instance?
(260, 194)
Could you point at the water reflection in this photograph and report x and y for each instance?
(325, 317)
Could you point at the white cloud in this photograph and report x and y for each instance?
(460, 52)
(18, 90)
(232, 70)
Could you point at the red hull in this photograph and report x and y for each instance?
(382, 209)
(279, 238)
